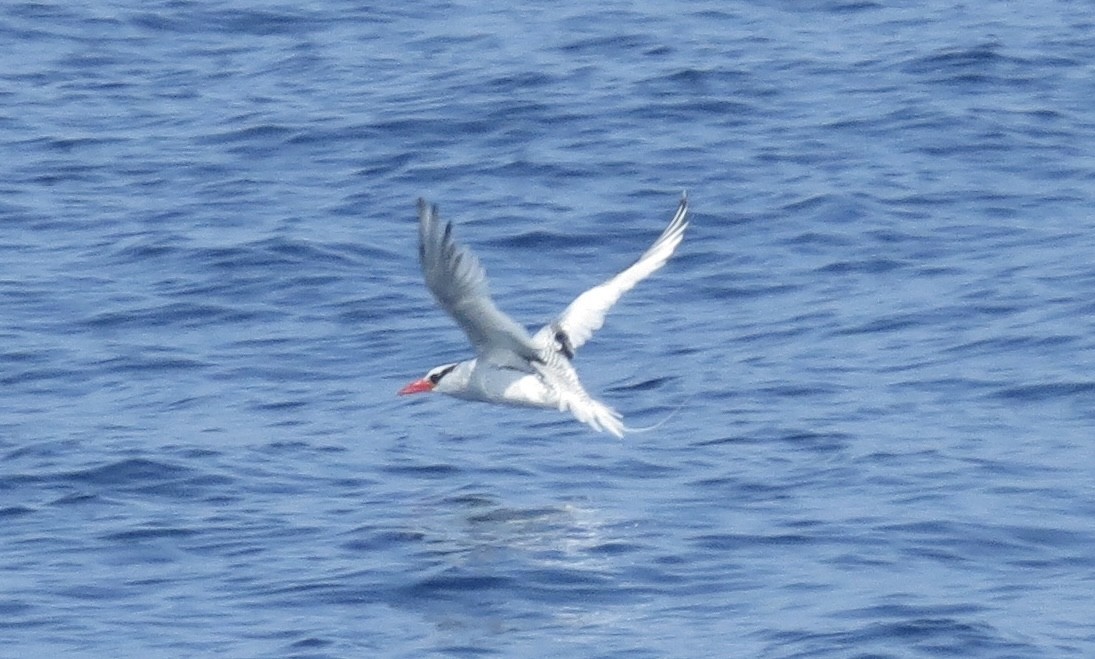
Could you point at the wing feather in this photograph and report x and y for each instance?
(459, 283)
(586, 314)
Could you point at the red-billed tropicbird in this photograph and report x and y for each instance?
(510, 366)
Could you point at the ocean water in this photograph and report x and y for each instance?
(879, 330)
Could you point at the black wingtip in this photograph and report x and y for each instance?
(426, 207)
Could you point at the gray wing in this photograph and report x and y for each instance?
(586, 314)
(458, 282)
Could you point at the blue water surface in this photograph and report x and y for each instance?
(880, 329)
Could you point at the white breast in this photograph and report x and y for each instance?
(503, 385)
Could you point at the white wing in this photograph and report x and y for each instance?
(586, 314)
(456, 279)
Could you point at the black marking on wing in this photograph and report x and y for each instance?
(563, 344)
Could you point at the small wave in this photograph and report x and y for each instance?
(129, 472)
(1048, 391)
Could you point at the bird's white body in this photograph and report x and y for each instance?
(512, 367)
(554, 387)
(491, 384)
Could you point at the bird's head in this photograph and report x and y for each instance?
(434, 380)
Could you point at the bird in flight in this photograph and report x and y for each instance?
(510, 366)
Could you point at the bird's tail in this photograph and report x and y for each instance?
(572, 397)
(659, 424)
(602, 417)
(599, 416)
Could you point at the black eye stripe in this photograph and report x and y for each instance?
(436, 377)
